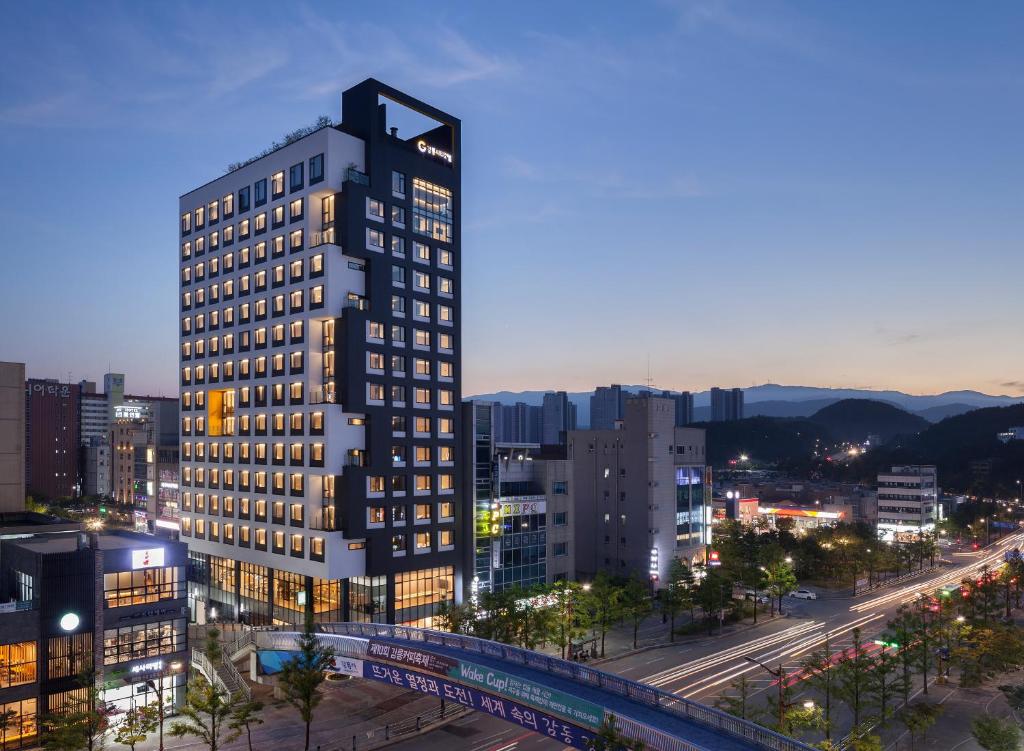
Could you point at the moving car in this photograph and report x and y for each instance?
(803, 594)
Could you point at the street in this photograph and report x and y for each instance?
(703, 670)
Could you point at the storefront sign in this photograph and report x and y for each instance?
(426, 148)
(346, 666)
(147, 558)
(524, 716)
(125, 412)
(521, 508)
(148, 667)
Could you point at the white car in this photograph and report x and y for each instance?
(803, 594)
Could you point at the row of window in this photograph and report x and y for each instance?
(228, 533)
(295, 424)
(313, 266)
(294, 483)
(224, 208)
(143, 640)
(143, 586)
(226, 370)
(376, 331)
(296, 300)
(423, 513)
(275, 454)
(422, 397)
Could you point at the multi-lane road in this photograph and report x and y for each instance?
(703, 670)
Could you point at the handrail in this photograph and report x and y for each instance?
(203, 664)
(232, 671)
(348, 639)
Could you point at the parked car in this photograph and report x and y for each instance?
(803, 594)
(762, 597)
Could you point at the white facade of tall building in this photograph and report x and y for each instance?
(907, 502)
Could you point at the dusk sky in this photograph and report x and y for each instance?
(824, 194)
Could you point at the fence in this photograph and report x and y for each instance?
(639, 692)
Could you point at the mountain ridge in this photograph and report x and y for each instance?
(776, 397)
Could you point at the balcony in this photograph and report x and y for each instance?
(323, 396)
(324, 237)
(355, 176)
(355, 302)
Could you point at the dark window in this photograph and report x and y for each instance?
(243, 199)
(261, 191)
(295, 177)
(316, 169)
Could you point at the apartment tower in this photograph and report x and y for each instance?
(320, 372)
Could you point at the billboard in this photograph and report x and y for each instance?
(494, 681)
(511, 711)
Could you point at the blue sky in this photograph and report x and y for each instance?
(816, 193)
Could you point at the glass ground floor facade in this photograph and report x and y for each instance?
(229, 590)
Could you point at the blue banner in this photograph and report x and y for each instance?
(526, 717)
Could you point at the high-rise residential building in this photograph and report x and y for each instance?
(641, 493)
(726, 404)
(12, 436)
(321, 373)
(51, 439)
(522, 515)
(517, 423)
(684, 406)
(606, 405)
(558, 417)
(907, 502)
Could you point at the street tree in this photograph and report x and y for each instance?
(780, 580)
(636, 605)
(676, 595)
(899, 635)
(245, 715)
(569, 616)
(82, 722)
(713, 593)
(994, 734)
(788, 715)
(821, 675)
(853, 672)
(885, 682)
(610, 738)
(302, 675)
(207, 706)
(738, 701)
(135, 726)
(604, 603)
(918, 719)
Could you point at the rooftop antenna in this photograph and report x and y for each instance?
(650, 381)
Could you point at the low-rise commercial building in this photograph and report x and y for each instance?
(115, 602)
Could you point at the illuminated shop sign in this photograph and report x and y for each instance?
(128, 413)
(148, 667)
(426, 148)
(776, 511)
(522, 506)
(147, 558)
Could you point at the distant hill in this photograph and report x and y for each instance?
(942, 411)
(765, 439)
(786, 409)
(856, 419)
(775, 400)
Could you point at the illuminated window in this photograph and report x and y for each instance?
(432, 210)
(17, 664)
(277, 185)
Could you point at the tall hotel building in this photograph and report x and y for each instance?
(320, 374)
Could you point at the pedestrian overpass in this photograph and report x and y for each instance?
(564, 700)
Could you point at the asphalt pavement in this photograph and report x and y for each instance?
(703, 669)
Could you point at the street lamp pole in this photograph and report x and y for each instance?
(780, 674)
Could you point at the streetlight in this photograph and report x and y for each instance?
(780, 675)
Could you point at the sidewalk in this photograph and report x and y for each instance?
(349, 708)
